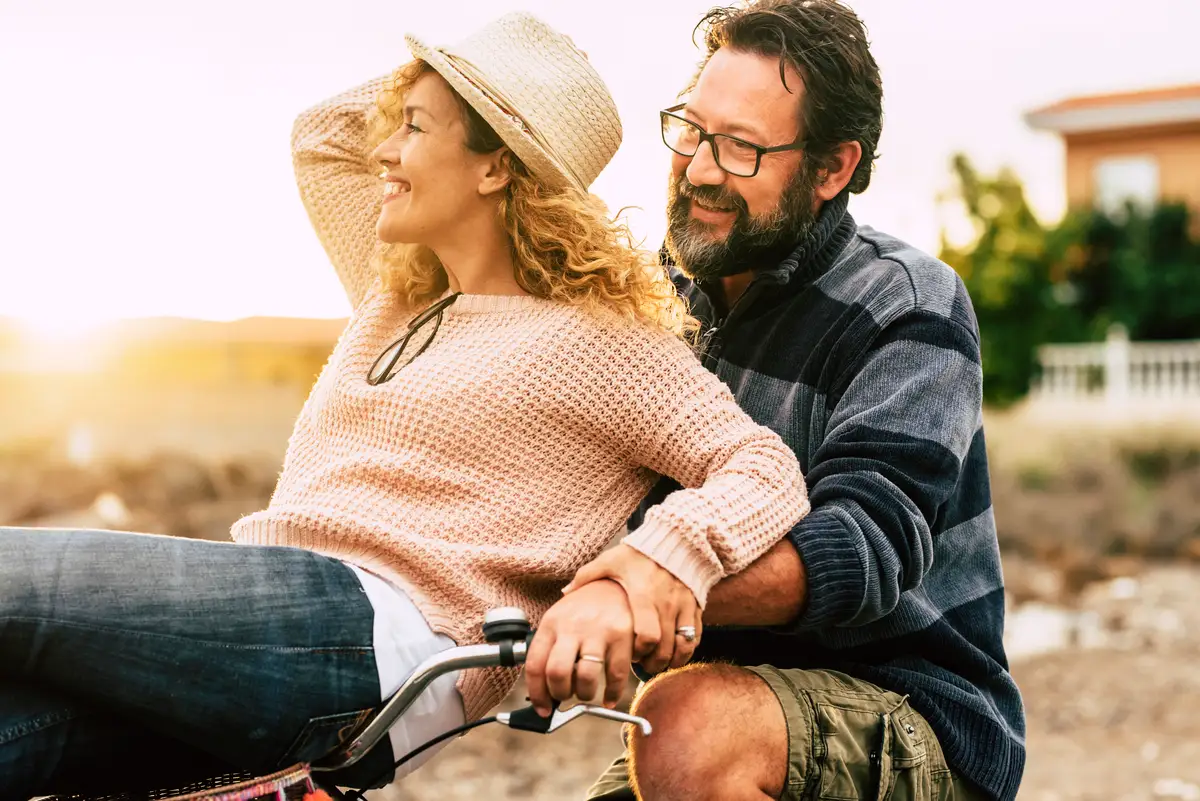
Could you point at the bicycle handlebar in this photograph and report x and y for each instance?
(508, 649)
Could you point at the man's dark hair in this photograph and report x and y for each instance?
(826, 43)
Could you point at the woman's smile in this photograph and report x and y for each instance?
(395, 189)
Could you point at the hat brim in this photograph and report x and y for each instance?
(509, 128)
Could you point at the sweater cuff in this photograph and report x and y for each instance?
(676, 555)
(833, 565)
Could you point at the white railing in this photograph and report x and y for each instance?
(1119, 371)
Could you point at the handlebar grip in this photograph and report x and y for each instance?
(508, 655)
(527, 718)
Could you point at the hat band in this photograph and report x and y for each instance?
(508, 108)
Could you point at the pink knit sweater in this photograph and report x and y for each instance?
(513, 450)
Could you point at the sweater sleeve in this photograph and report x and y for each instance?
(340, 188)
(894, 450)
(741, 485)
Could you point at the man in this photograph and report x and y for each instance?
(876, 624)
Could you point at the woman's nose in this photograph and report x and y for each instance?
(385, 154)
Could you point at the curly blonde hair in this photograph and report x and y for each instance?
(564, 245)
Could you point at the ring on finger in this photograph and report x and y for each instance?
(591, 658)
(687, 632)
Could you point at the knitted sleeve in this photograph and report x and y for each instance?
(742, 488)
(340, 188)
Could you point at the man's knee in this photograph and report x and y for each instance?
(718, 732)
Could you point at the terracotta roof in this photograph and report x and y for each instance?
(1188, 92)
(1174, 105)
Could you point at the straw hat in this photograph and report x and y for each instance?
(539, 93)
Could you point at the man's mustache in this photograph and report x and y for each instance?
(710, 195)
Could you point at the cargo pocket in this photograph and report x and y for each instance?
(870, 755)
(904, 772)
(320, 735)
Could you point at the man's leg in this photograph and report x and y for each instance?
(724, 732)
(615, 784)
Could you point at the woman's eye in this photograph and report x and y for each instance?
(408, 128)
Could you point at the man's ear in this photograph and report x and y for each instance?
(839, 169)
(496, 175)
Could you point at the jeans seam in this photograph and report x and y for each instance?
(176, 638)
(40, 724)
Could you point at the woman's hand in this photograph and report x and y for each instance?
(665, 611)
(593, 622)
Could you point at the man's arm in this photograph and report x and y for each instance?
(906, 418)
(770, 592)
(892, 454)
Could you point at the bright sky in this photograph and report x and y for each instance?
(144, 162)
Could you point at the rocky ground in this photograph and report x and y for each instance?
(1113, 703)
(1116, 714)
(1102, 561)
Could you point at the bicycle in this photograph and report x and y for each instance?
(507, 633)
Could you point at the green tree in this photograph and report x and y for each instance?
(1140, 269)
(1007, 272)
(1033, 284)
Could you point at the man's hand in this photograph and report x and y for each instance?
(661, 605)
(593, 621)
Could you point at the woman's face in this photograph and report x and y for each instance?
(434, 185)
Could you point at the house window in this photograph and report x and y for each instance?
(1119, 180)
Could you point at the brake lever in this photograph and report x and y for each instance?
(561, 718)
(527, 718)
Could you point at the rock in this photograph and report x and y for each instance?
(212, 521)
(86, 518)
(112, 510)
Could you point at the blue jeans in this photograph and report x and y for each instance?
(135, 660)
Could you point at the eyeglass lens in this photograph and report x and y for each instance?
(732, 155)
(414, 342)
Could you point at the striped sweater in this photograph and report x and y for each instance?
(863, 354)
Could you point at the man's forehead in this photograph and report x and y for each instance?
(741, 93)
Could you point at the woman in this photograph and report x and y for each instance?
(510, 383)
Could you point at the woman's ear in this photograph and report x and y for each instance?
(496, 176)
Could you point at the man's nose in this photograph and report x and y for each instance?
(703, 169)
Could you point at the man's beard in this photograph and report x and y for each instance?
(752, 242)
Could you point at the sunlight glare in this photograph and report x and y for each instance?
(61, 329)
(66, 342)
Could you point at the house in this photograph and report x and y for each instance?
(1141, 146)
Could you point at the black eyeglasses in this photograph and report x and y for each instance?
(733, 155)
(390, 358)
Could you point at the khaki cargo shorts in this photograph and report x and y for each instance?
(847, 739)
